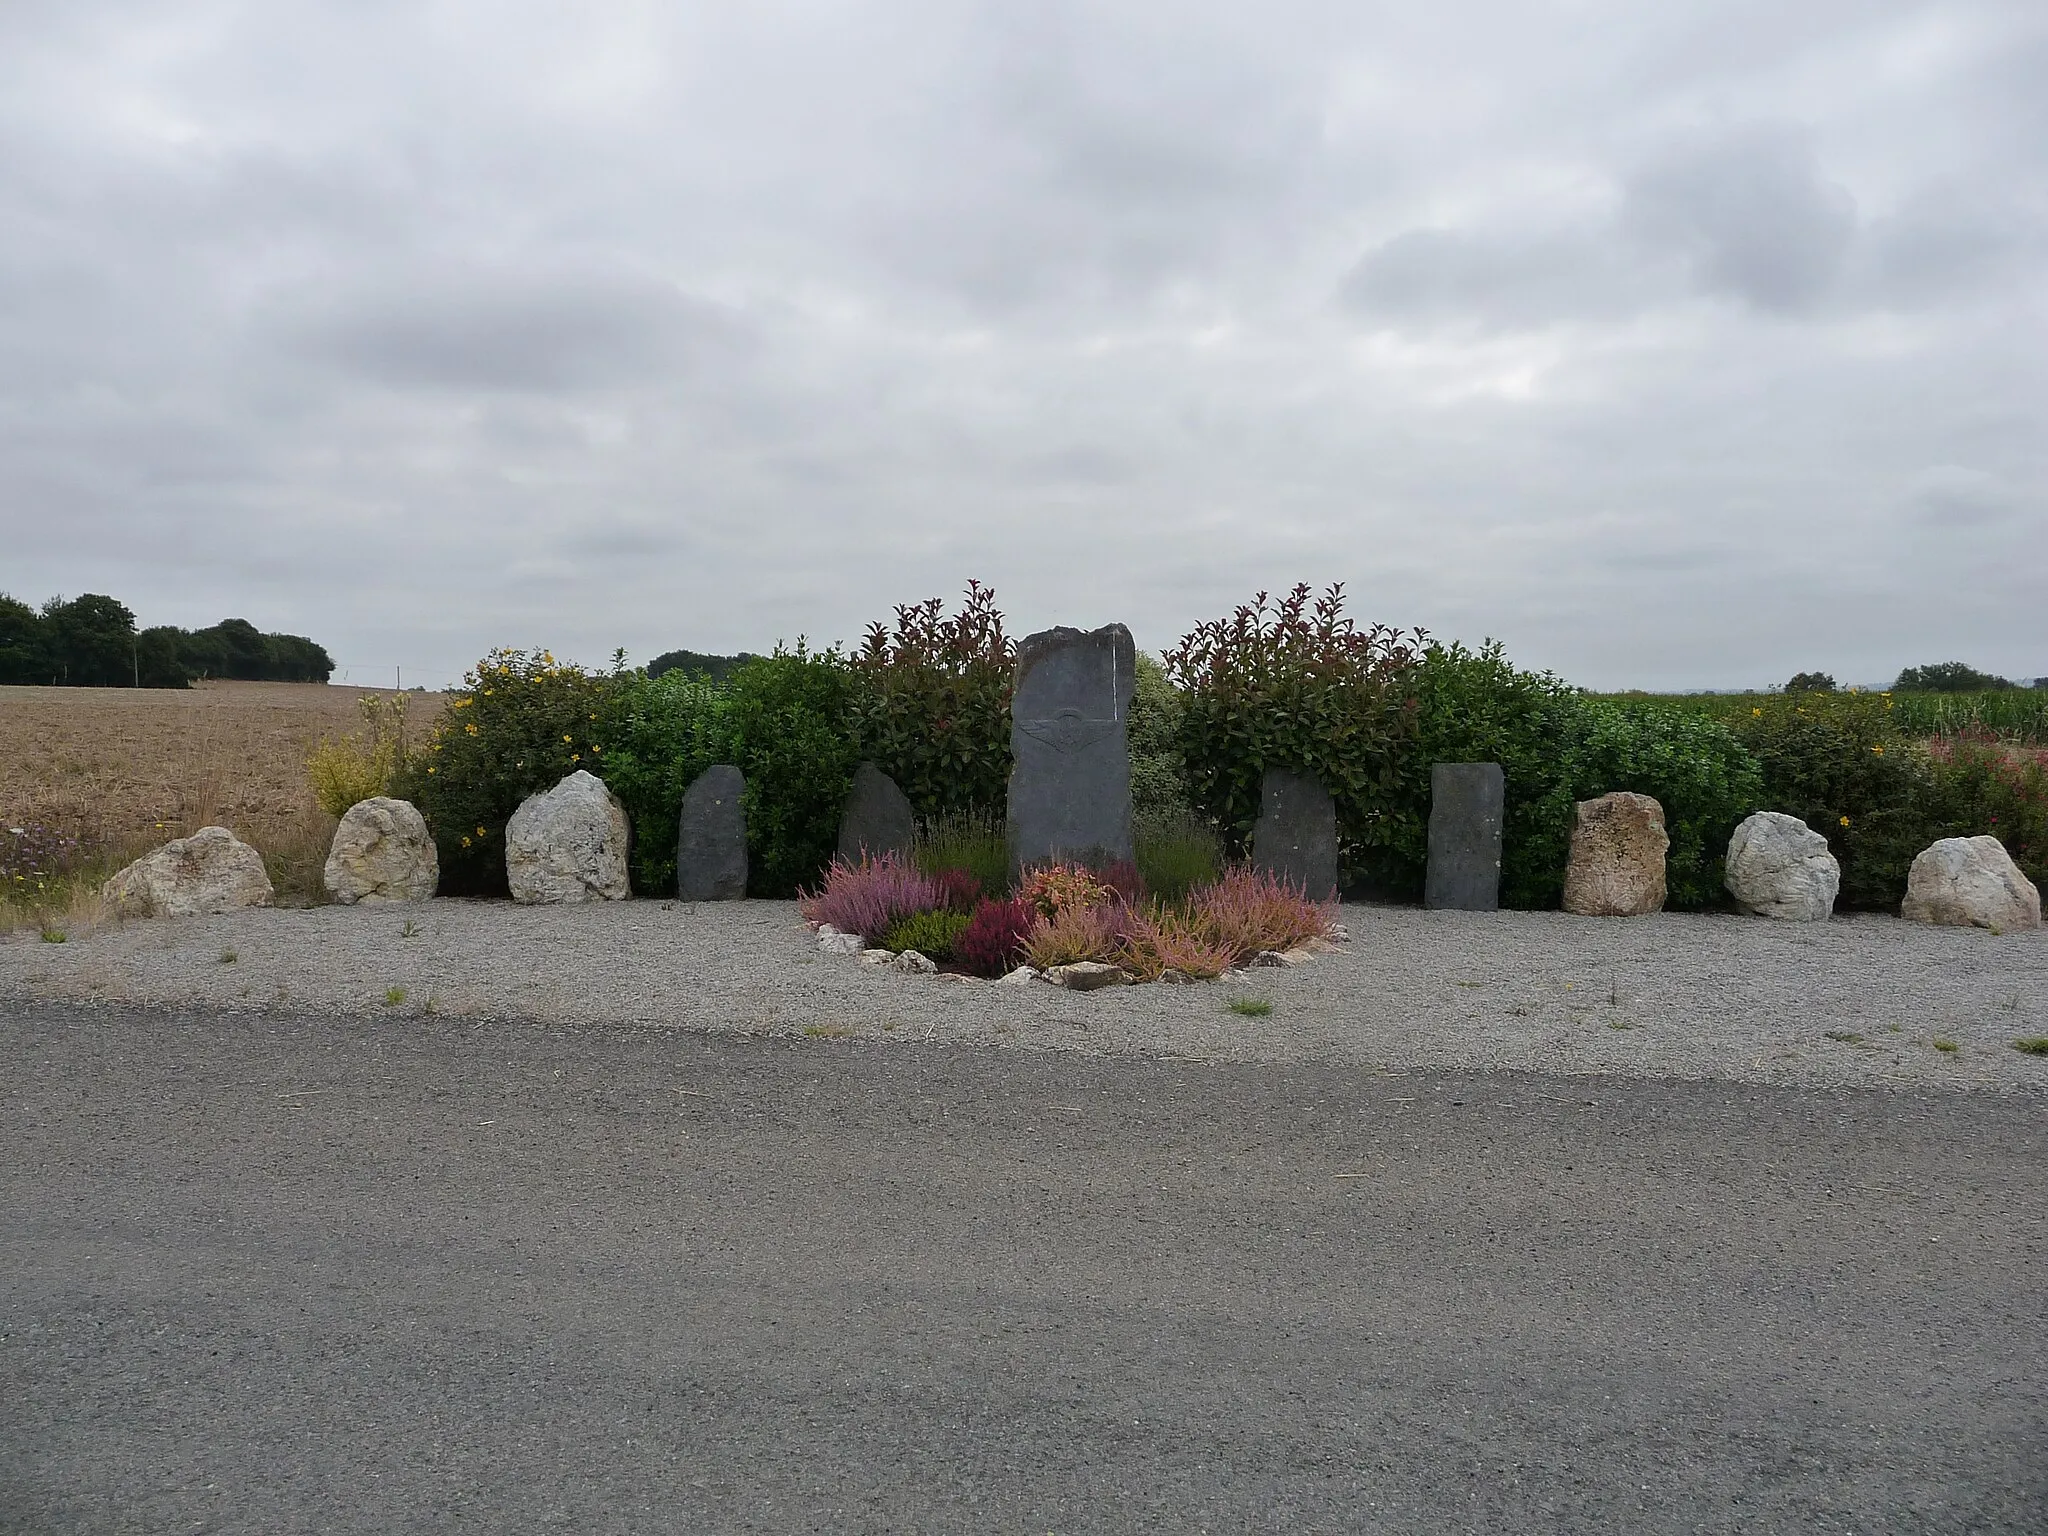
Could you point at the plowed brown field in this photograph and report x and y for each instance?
(126, 769)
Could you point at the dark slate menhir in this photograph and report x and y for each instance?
(711, 845)
(1070, 785)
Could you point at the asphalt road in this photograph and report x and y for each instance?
(284, 1274)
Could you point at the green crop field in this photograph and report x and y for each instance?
(2011, 714)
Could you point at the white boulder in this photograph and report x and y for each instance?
(1778, 866)
(1970, 882)
(568, 844)
(382, 851)
(210, 871)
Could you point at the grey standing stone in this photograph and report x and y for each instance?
(878, 818)
(1466, 802)
(1296, 835)
(711, 848)
(1070, 780)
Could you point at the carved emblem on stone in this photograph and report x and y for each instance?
(1068, 730)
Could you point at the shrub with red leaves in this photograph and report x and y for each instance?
(958, 890)
(993, 940)
(1122, 880)
(1296, 684)
(868, 897)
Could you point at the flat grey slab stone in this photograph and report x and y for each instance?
(1466, 804)
(1296, 835)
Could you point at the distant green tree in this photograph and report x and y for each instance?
(295, 659)
(23, 655)
(1811, 682)
(699, 664)
(158, 660)
(91, 641)
(1948, 677)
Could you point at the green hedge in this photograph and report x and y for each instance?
(1557, 746)
(1289, 684)
(786, 721)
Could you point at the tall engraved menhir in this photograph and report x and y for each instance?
(1070, 779)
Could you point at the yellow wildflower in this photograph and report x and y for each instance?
(480, 832)
(568, 738)
(1756, 712)
(575, 757)
(471, 728)
(1845, 821)
(465, 842)
(1878, 750)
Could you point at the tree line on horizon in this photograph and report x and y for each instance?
(1936, 677)
(92, 642)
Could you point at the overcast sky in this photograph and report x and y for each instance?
(1674, 344)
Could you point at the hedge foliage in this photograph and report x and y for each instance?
(932, 708)
(519, 724)
(1298, 685)
(1293, 683)
(784, 720)
(1557, 746)
(1854, 767)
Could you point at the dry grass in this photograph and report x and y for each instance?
(125, 770)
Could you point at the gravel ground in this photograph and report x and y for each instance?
(1856, 1001)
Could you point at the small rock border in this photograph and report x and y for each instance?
(1082, 976)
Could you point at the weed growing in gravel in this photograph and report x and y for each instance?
(228, 957)
(1846, 1036)
(1619, 1024)
(393, 996)
(411, 930)
(1251, 1007)
(50, 933)
(2036, 1045)
(1946, 1047)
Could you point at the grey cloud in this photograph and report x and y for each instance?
(1750, 211)
(1945, 242)
(490, 328)
(1954, 497)
(702, 324)
(1496, 277)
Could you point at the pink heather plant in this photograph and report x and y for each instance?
(1250, 910)
(868, 897)
(1168, 939)
(1074, 934)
